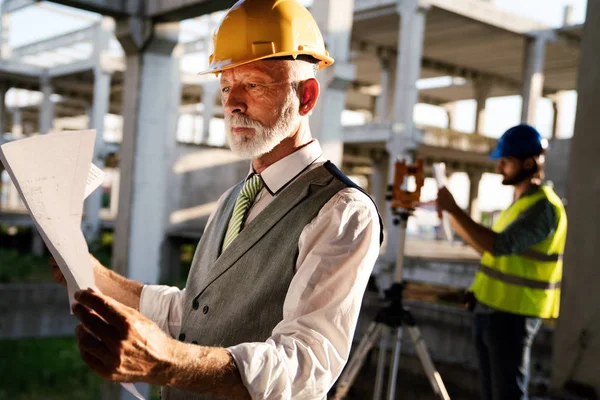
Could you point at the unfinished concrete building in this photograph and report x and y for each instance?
(160, 126)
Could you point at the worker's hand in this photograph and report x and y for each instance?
(118, 342)
(57, 274)
(445, 202)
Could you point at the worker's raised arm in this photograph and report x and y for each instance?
(477, 236)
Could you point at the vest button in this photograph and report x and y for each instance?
(182, 337)
(195, 304)
(205, 309)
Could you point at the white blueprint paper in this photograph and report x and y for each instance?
(54, 174)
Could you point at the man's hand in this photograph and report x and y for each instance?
(445, 202)
(118, 342)
(57, 274)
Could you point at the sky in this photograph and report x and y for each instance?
(48, 19)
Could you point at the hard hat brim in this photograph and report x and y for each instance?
(217, 68)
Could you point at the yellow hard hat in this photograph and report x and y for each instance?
(253, 30)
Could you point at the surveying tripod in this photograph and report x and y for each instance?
(394, 316)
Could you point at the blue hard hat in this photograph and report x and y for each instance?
(520, 141)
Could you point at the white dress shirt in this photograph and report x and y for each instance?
(337, 251)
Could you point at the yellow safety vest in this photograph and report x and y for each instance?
(526, 283)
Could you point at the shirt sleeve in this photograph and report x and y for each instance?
(531, 227)
(308, 349)
(164, 306)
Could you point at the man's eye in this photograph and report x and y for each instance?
(252, 85)
(225, 90)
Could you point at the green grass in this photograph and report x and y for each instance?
(45, 369)
(23, 267)
(48, 369)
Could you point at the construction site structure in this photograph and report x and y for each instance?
(130, 73)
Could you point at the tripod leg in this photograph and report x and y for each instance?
(395, 363)
(432, 374)
(353, 367)
(385, 333)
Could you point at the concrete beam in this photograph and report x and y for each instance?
(73, 68)
(10, 67)
(174, 10)
(447, 68)
(577, 338)
(11, 6)
(68, 39)
(488, 14)
(113, 8)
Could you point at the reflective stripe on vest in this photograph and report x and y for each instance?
(537, 256)
(517, 280)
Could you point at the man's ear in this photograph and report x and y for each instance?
(529, 163)
(309, 93)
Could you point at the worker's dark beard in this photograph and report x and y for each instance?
(520, 176)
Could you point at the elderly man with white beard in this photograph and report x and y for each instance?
(276, 285)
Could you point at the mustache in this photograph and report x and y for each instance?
(242, 121)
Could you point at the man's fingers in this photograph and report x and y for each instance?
(96, 325)
(58, 276)
(88, 343)
(95, 364)
(110, 310)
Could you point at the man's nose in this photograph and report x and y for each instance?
(234, 102)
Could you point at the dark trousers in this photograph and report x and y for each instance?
(503, 343)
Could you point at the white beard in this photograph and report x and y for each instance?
(265, 138)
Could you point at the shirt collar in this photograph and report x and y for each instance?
(276, 176)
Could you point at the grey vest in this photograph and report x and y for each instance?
(238, 296)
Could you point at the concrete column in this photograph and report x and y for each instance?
(3, 90)
(46, 121)
(473, 207)
(482, 92)
(210, 91)
(98, 110)
(558, 100)
(151, 100)
(533, 77)
(379, 180)
(4, 35)
(37, 243)
(450, 113)
(114, 193)
(385, 100)
(149, 129)
(334, 18)
(576, 348)
(14, 200)
(17, 122)
(402, 139)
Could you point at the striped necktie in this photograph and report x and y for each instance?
(245, 199)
